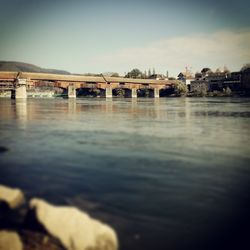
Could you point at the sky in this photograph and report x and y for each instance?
(117, 36)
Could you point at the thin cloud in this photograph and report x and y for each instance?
(206, 49)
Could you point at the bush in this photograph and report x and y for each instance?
(181, 89)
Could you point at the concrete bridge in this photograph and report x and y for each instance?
(20, 82)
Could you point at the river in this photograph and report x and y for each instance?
(166, 173)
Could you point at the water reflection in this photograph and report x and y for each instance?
(21, 112)
(109, 106)
(187, 109)
(72, 105)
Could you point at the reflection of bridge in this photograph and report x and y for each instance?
(19, 82)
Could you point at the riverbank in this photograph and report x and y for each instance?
(218, 94)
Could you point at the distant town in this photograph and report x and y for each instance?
(221, 82)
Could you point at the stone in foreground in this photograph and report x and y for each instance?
(13, 197)
(10, 241)
(75, 229)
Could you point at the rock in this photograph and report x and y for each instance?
(10, 241)
(13, 197)
(3, 149)
(33, 240)
(75, 229)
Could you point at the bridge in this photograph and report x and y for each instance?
(19, 82)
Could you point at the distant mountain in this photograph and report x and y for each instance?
(26, 67)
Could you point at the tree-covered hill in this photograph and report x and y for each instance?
(26, 67)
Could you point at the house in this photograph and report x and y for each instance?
(200, 82)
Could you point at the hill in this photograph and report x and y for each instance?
(26, 67)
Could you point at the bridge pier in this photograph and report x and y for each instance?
(71, 91)
(19, 92)
(108, 92)
(133, 93)
(156, 93)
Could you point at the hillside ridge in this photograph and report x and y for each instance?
(28, 67)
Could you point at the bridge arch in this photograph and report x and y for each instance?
(124, 92)
(90, 92)
(167, 91)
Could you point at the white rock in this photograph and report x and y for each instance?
(13, 197)
(75, 229)
(10, 241)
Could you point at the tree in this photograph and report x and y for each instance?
(205, 70)
(134, 73)
(149, 73)
(226, 70)
(181, 89)
(245, 67)
(198, 76)
(114, 74)
(153, 71)
(91, 74)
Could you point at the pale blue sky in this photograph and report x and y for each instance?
(100, 36)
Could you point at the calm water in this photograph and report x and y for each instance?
(165, 173)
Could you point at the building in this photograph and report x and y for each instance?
(219, 81)
(216, 76)
(199, 86)
(245, 79)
